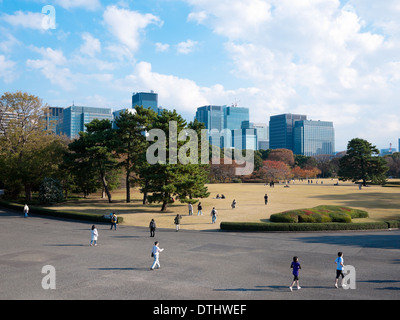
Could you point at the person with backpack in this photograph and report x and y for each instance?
(152, 227)
(114, 220)
(213, 215)
(177, 222)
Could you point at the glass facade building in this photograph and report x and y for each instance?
(74, 118)
(221, 122)
(146, 99)
(312, 138)
(51, 117)
(234, 117)
(281, 130)
(261, 132)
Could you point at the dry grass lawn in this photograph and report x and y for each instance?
(379, 202)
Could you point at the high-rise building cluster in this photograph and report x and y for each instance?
(227, 126)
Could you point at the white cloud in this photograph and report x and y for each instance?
(317, 57)
(127, 25)
(31, 20)
(162, 47)
(91, 46)
(198, 17)
(86, 4)
(7, 72)
(186, 47)
(53, 67)
(181, 93)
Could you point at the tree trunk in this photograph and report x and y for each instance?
(146, 184)
(128, 189)
(164, 206)
(128, 183)
(28, 192)
(103, 179)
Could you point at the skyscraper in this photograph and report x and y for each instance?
(312, 138)
(73, 119)
(261, 132)
(221, 123)
(145, 99)
(51, 117)
(281, 130)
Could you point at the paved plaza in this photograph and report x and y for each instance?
(195, 265)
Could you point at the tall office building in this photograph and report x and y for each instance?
(281, 130)
(234, 117)
(51, 118)
(244, 139)
(261, 132)
(221, 122)
(73, 119)
(312, 138)
(211, 116)
(146, 99)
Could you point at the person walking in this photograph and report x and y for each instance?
(190, 207)
(26, 211)
(94, 234)
(199, 209)
(152, 227)
(266, 199)
(177, 222)
(233, 205)
(295, 265)
(155, 253)
(213, 215)
(114, 220)
(339, 268)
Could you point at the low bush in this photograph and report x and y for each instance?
(319, 214)
(300, 227)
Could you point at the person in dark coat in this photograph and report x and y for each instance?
(152, 227)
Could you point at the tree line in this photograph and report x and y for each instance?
(31, 155)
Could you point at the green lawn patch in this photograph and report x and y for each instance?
(319, 214)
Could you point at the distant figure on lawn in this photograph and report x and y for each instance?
(266, 199)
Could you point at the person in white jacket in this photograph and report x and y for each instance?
(155, 254)
(94, 235)
(26, 210)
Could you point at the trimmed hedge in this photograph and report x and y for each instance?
(331, 226)
(58, 213)
(319, 214)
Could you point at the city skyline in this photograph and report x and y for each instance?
(333, 60)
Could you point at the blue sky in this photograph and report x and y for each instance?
(332, 60)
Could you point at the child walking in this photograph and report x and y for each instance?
(94, 234)
(296, 267)
(339, 268)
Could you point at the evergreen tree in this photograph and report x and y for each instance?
(169, 177)
(361, 162)
(131, 142)
(94, 151)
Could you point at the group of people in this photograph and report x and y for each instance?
(295, 265)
